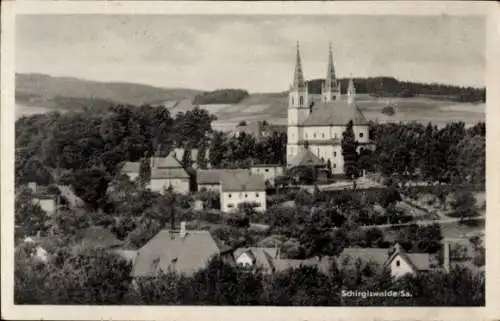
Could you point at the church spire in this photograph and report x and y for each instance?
(330, 80)
(298, 77)
(351, 91)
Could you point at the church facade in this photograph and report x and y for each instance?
(317, 122)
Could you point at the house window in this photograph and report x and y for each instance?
(397, 263)
(360, 134)
(314, 135)
(267, 170)
(361, 149)
(229, 195)
(246, 195)
(230, 205)
(256, 194)
(335, 136)
(334, 165)
(323, 135)
(306, 135)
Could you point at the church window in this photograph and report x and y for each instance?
(397, 263)
(229, 195)
(256, 194)
(334, 154)
(306, 135)
(361, 135)
(267, 170)
(323, 135)
(335, 135)
(314, 135)
(334, 165)
(301, 100)
(293, 102)
(317, 151)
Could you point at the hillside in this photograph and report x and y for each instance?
(42, 90)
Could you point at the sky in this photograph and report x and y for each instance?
(256, 53)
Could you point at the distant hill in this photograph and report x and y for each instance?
(37, 89)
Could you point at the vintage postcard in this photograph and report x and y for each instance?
(222, 160)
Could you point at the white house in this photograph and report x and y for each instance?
(242, 187)
(166, 172)
(321, 121)
(398, 261)
(268, 171)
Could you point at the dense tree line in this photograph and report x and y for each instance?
(391, 87)
(220, 96)
(97, 277)
(229, 151)
(452, 154)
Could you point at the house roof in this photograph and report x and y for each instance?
(335, 113)
(283, 264)
(213, 176)
(263, 257)
(169, 173)
(168, 249)
(305, 158)
(97, 236)
(165, 162)
(128, 255)
(131, 167)
(351, 254)
(241, 182)
(70, 196)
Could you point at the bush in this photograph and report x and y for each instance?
(388, 110)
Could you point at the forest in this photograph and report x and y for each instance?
(391, 87)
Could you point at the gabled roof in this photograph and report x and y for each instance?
(165, 162)
(350, 255)
(335, 113)
(241, 182)
(185, 255)
(213, 176)
(131, 167)
(70, 196)
(418, 261)
(263, 257)
(305, 158)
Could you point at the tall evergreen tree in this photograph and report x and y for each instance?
(349, 152)
(144, 172)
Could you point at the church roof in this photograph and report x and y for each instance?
(335, 113)
(305, 158)
(298, 77)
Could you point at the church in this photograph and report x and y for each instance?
(317, 122)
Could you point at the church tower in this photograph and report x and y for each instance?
(330, 90)
(298, 107)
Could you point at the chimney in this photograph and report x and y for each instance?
(446, 256)
(183, 230)
(32, 186)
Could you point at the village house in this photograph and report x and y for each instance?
(49, 198)
(268, 171)
(259, 129)
(182, 251)
(242, 187)
(396, 259)
(268, 260)
(165, 172)
(210, 179)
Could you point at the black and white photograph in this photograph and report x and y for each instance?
(249, 160)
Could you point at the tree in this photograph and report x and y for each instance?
(30, 218)
(464, 205)
(389, 196)
(144, 172)
(217, 149)
(349, 153)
